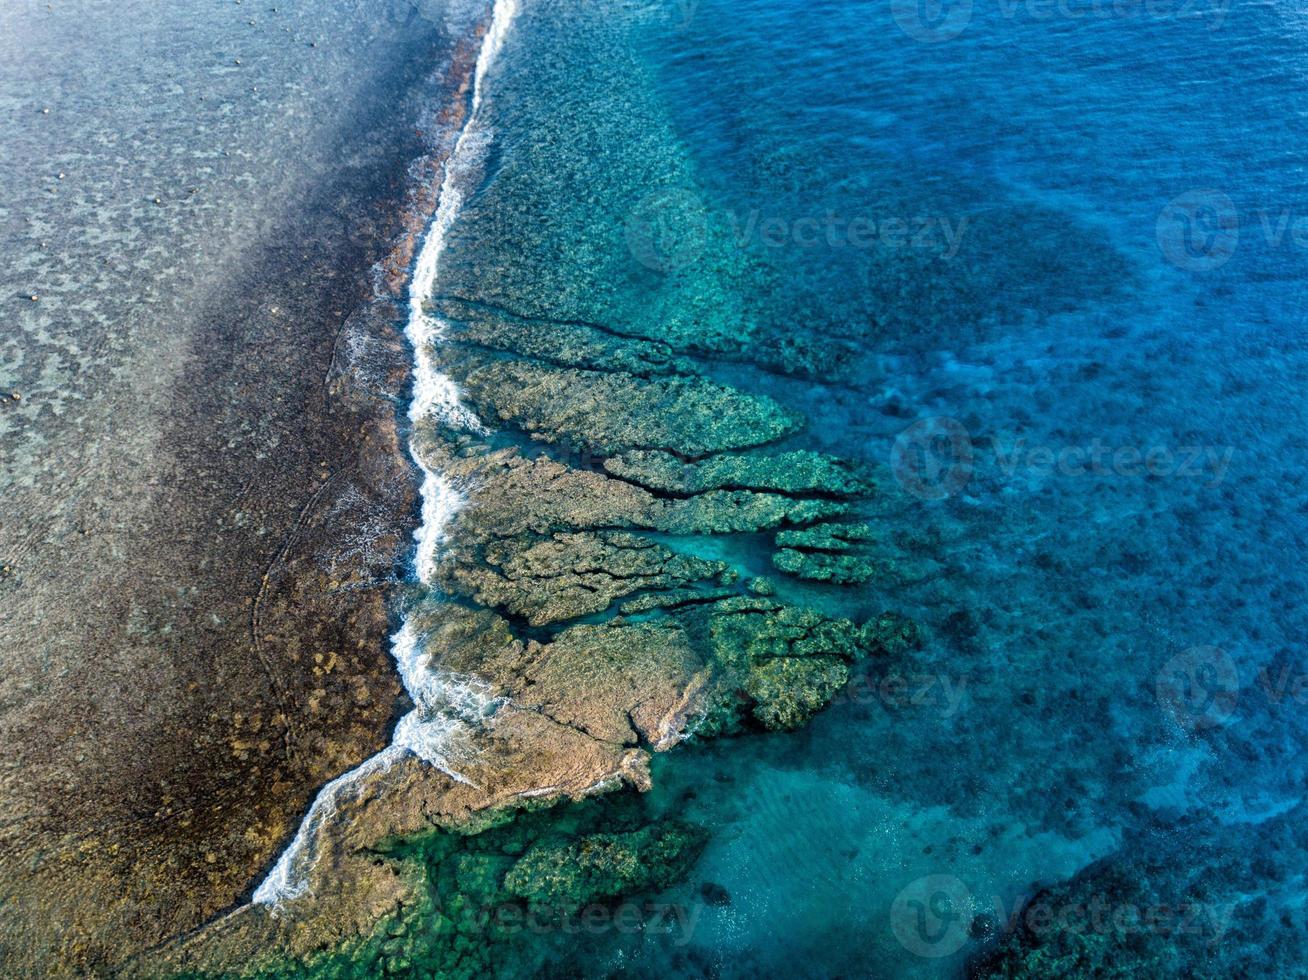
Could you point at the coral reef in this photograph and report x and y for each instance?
(608, 412)
(503, 902)
(594, 601)
(795, 472)
(827, 553)
(596, 598)
(1173, 901)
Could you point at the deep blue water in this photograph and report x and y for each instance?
(1041, 265)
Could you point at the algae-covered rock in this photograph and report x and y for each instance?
(569, 575)
(565, 876)
(772, 662)
(828, 537)
(837, 569)
(567, 344)
(794, 472)
(618, 683)
(507, 900)
(835, 553)
(788, 691)
(514, 495)
(470, 640)
(621, 683)
(612, 412)
(890, 635)
(712, 660)
(756, 627)
(736, 511)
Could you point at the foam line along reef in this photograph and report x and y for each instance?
(444, 703)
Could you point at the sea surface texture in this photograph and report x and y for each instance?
(1037, 267)
(861, 483)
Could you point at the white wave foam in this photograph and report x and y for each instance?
(290, 876)
(445, 704)
(434, 394)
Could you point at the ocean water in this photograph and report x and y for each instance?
(1040, 265)
(1037, 262)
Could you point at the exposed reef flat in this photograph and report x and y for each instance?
(205, 493)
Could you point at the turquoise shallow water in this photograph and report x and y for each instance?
(1039, 265)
